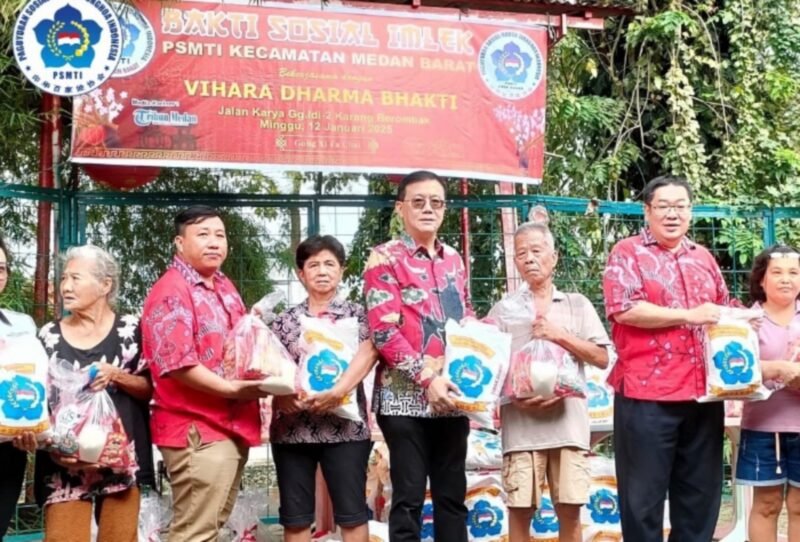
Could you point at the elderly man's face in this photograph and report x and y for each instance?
(534, 256)
(204, 245)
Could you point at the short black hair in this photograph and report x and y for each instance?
(760, 265)
(193, 215)
(4, 248)
(316, 244)
(417, 177)
(665, 180)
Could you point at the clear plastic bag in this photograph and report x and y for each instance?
(23, 388)
(155, 513)
(250, 507)
(544, 369)
(253, 352)
(86, 424)
(328, 349)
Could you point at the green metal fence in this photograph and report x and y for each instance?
(263, 229)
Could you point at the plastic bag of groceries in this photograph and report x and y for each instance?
(600, 398)
(484, 450)
(253, 352)
(328, 349)
(379, 483)
(476, 360)
(155, 513)
(249, 508)
(23, 388)
(542, 368)
(86, 423)
(732, 359)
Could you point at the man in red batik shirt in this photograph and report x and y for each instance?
(202, 423)
(412, 285)
(661, 288)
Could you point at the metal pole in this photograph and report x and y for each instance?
(49, 140)
(465, 245)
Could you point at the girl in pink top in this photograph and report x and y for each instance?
(769, 455)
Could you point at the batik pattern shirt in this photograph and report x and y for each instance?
(410, 294)
(307, 427)
(184, 324)
(664, 364)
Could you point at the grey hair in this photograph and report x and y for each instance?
(538, 227)
(104, 266)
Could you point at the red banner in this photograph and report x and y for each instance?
(206, 84)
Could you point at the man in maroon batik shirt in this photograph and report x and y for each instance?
(412, 285)
(202, 423)
(661, 288)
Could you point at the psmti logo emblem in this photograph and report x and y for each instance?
(67, 47)
(511, 64)
(138, 41)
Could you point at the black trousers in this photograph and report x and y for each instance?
(12, 463)
(668, 447)
(420, 448)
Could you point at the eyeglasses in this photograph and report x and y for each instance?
(776, 255)
(419, 202)
(664, 209)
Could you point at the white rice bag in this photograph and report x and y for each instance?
(487, 516)
(732, 362)
(600, 397)
(23, 387)
(328, 349)
(484, 450)
(378, 532)
(249, 508)
(600, 517)
(476, 361)
(544, 525)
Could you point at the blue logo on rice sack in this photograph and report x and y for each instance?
(485, 519)
(735, 363)
(427, 522)
(138, 41)
(470, 375)
(22, 398)
(489, 440)
(324, 369)
(511, 64)
(604, 506)
(598, 395)
(545, 519)
(67, 47)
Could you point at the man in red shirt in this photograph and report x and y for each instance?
(661, 288)
(412, 285)
(202, 423)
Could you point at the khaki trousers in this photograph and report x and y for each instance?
(117, 519)
(204, 478)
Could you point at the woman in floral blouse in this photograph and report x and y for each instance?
(93, 334)
(303, 433)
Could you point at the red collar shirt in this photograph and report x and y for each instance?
(410, 294)
(184, 324)
(664, 364)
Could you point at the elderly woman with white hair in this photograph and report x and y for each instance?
(95, 334)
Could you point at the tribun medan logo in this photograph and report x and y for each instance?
(67, 47)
